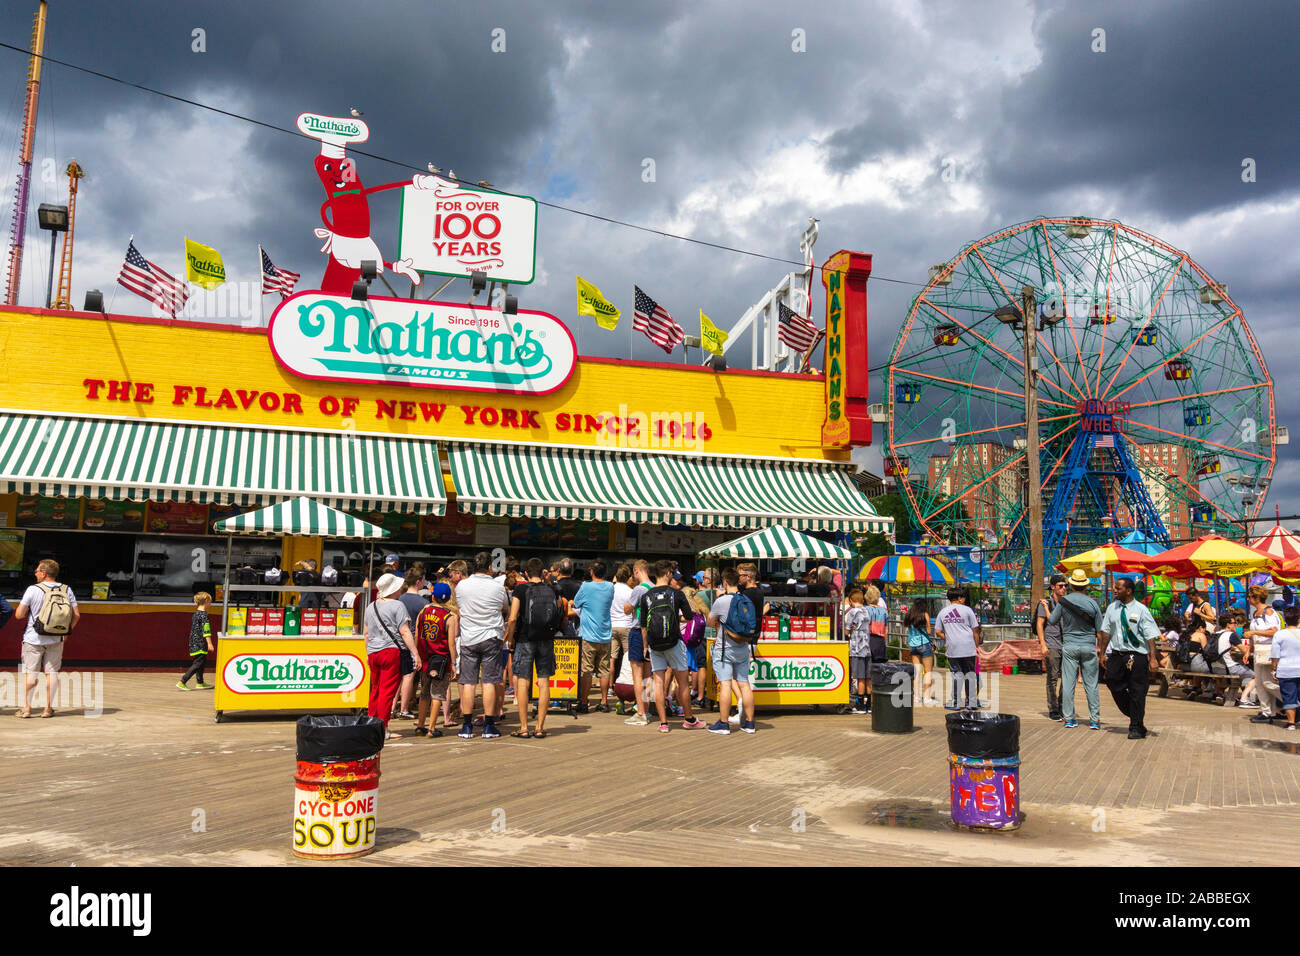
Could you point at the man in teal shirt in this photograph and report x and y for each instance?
(1132, 633)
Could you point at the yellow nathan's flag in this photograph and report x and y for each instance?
(711, 337)
(203, 265)
(592, 302)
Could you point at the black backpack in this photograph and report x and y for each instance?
(1211, 649)
(542, 618)
(660, 626)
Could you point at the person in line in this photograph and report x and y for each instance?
(1049, 642)
(920, 643)
(200, 643)
(537, 614)
(620, 623)
(483, 605)
(414, 604)
(1264, 623)
(731, 657)
(387, 629)
(878, 623)
(661, 610)
(1284, 663)
(697, 646)
(706, 594)
(594, 601)
(960, 629)
(51, 612)
(857, 631)
(436, 627)
(750, 587)
(1131, 633)
(453, 574)
(636, 649)
(1079, 620)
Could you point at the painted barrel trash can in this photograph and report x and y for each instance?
(891, 698)
(336, 786)
(984, 770)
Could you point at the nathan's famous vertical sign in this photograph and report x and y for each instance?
(844, 276)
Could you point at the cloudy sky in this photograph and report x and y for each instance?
(749, 137)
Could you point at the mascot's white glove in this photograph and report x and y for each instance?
(327, 236)
(406, 267)
(423, 181)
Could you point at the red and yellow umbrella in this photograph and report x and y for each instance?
(1108, 557)
(906, 569)
(1208, 556)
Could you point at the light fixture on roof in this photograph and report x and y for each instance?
(94, 301)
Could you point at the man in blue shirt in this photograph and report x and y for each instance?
(593, 600)
(1132, 633)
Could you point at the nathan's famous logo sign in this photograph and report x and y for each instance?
(433, 344)
(796, 673)
(334, 127)
(294, 673)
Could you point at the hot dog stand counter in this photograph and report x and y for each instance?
(295, 657)
(799, 658)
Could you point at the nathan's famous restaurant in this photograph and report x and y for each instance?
(456, 428)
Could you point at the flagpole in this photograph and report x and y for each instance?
(113, 297)
(261, 305)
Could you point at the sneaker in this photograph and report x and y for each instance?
(181, 686)
(1261, 719)
(951, 707)
(975, 706)
(1137, 734)
(406, 715)
(1056, 717)
(602, 708)
(718, 727)
(857, 709)
(664, 728)
(204, 686)
(1247, 705)
(1290, 726)
(637, 720)
(1094, 725)
(693, 724)
(1072, 723)
(467, 730)
(748, 726)
(490, 731)
(734, 718)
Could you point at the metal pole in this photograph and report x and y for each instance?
(49, 286)
(1028, 310)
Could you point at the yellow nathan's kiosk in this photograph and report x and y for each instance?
(287, 658)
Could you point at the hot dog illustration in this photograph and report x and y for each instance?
(345, 214)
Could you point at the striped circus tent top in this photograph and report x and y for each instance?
(217, 464)
(778, 541)
(611, 485)
(300, 516)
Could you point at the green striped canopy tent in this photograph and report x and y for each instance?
(778, 541)
(297, 516)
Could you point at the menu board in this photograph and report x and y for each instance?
(176, 517)
(678, 539)
(400, 527)
(455, 527)
(11, 550)
(221, 512)
(40, 512)
(101, 515)
(492, 532)
(559, 533)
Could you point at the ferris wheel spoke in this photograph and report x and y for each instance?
(1110, 271)
(970, 328)
(1137, 381)
(1173, 274)
(978, 431)
(1192, 438)
(1205, 394)
(1069, 321)
(1009, 536)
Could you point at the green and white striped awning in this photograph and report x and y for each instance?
(218, 464)
(778, 541)
(300, 516)
(602, 485)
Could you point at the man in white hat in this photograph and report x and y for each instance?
(1080, 619)
(387, 633)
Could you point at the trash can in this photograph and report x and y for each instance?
(891, 698)
(336, 786)
(984, 770)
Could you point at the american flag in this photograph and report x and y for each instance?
(275, 279)
(1105, 440)
(145, 279)
(794, 330)
(651, 318)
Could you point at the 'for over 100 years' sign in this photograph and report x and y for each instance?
(455, 230)
(413, 342)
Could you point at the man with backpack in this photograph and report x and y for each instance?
(1050, 642)
(1079, 618)
(593, 601)
(661, 610)
(51, 612)
(537, 613)
(736, 620)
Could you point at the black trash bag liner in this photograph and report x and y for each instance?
(972, 733)
(336, 738)
(883, 673)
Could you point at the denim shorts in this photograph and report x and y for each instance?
(635, 648)
(527, 653)
(921, 650)
(695, 657)
(1290, 688)
(675, 658)
(734, 665)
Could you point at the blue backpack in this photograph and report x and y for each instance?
(742, 619)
